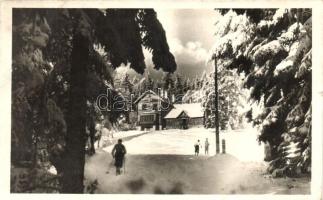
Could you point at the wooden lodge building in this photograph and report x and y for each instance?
(156, 112)
(151, 110)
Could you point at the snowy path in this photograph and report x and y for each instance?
(107, 139)
(241, 144)
(163, 162)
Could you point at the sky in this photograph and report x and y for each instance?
(190, 36)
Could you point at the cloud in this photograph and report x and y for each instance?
(190, 53)
(190, 57)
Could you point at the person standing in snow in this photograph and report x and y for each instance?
(197, 146)
(118, 153)
(206, 146)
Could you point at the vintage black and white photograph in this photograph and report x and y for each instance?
(161, 101)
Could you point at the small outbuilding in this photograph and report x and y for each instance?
(183, 116)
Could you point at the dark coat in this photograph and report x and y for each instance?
(118, 151)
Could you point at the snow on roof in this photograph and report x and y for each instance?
(193, 110)
(148, 92)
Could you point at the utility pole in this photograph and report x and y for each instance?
(216, 101)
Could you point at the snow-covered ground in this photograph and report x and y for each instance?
(240, 143)
(122, 134)
(243, 144)
(164, 162)
(109, 138)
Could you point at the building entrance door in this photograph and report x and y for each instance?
(184, 123)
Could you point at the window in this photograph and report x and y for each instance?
(144, 107)
(147, 118)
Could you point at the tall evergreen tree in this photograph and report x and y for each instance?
(73, 175)
(168, 85)
(178, 89)
(127, 85)
(273, 48)
(56, 81)
(149, 84)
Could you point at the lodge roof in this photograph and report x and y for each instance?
(193, 110)
(146, 93)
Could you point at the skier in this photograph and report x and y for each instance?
(118, 152)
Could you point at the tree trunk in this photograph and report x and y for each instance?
(73, 174)
(92, 136)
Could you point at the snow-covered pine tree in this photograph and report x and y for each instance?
(149, 84)
(178, 89)
(168, 84)
(273, 48)
(127, 85)
(57, 71)
(231, 97)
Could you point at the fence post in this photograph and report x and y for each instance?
(223, 145)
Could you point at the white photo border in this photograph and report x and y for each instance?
(5, 86)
